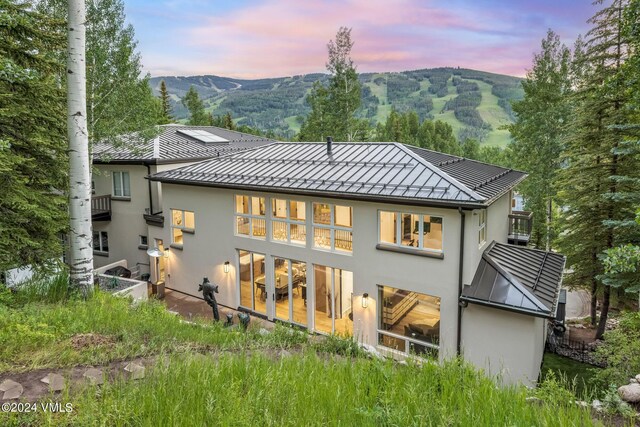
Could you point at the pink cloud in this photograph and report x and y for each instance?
(286, 37)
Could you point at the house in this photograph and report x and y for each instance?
(404, 248)
(125, 205)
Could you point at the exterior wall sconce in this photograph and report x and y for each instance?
(166, 253)
(226, 266)
(365, 300)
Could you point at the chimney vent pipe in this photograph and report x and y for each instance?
(329, 144)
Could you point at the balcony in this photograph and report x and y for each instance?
(101, 208)
(156, 219)
(520, 223)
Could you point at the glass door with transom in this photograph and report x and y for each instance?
(253, 281)
(290, 291)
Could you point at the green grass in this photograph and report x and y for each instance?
(209, 375)
(40, 335)
(307, 389)
(580, 376)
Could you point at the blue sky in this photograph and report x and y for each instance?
(271, 38)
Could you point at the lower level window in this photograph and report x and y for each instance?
(333, 297)
(408, 321)
(100, 242)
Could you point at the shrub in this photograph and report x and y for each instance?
(620, 351)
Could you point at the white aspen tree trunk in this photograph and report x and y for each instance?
(80, 234)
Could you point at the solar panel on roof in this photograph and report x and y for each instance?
(202, 135)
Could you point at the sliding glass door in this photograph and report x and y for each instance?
(290, 290)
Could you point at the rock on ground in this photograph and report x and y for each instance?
(630, 393)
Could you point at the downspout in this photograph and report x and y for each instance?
(150, 192)
(460, 284)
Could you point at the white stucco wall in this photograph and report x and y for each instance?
(214, 242)
(505, 344)
(127, 223)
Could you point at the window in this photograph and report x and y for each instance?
(143, 242)
(482, 226)
(121, 185)
(250, 216)
(101, 242)
(333, 289)
(288, 221)
(408, 321)
(332, 227)
(418, 231)
(181, 222)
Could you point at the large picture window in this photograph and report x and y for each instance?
(250, 216)
(288, 221)
(181, 222)
(411, 230)
(121, 184)
(408, 321)
(333, 227)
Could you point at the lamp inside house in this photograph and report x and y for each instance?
(226, 266)
(365, 300)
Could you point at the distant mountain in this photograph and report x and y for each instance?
(475, 103)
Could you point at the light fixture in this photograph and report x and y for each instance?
(365, 300)
(155, 252)
(226, 266)
(166, 253)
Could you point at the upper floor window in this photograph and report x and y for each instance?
(101, 242)
(288, 221)
(181, 222)
(332, 227)
(121, 184)
(250, 216)
(482, 226)
(411, 230)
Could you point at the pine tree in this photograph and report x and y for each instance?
(165, 106)
(197, 115)
(33, 162)
(539, 132)
(228, 122)
(598, 173)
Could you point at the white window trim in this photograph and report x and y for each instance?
(143, 245)
(482, 227)
(184, 229)
(250, 216)
(288, 221)
(333, 228)
(420, 247)
(122, 186)
(100, 251)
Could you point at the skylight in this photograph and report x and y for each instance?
(202, 135)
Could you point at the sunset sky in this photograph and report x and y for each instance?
(272, 38)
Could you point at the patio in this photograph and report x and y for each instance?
(188, 307)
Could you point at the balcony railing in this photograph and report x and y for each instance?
(101, 208)
(520, 223)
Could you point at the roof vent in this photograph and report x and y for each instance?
(329, 143)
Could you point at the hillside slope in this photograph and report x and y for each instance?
(475, 103)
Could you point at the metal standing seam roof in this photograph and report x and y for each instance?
(172, 145)
(380, 170)
(517, 278)
(488, 180)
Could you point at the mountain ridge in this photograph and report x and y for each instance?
(475, 103)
